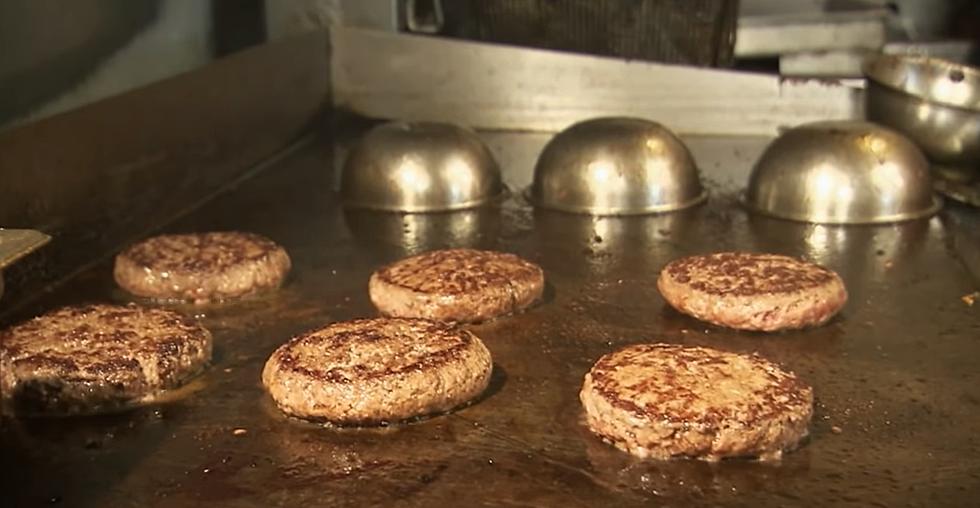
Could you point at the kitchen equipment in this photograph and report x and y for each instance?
(616, 166)
(842, 172)
(815, 41)
(934, 102)
(701, 33)
(896, 421)
(17, 243)
(498, 87)
(420, 167)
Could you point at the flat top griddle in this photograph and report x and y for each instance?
(897, 419)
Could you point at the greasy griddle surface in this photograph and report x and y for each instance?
(897, 418)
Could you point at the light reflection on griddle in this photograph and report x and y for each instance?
(413, 233)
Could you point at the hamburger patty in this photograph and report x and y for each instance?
(202, 267)
(456, 285)
(371, 371)
(98, 357)
(749, 291)
(663, 401)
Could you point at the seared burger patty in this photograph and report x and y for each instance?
(202, 267)
(98, 357)
(749, 291)
(372, 371)
(663, 401)
(456, 285)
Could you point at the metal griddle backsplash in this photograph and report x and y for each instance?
(897, 418)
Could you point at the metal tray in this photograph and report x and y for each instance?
(897, 418)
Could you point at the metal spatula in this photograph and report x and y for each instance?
(17, 243)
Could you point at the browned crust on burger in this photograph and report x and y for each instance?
(463, 285)
(750, 291)
(202, 267)
(94, 358)
(372, 371)
(662, 401)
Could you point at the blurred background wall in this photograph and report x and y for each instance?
(56, 55)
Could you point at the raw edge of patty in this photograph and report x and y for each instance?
(202, 267)
(462, 285)
(749, 291)
(662, 401)
(97, 358)
(376, 371)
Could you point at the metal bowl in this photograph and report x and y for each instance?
(842, 172)
(419, 167)
(934, 102)
(616, 166)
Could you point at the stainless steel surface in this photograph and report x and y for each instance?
(932, 101)
(771, 35)
(842, 173)
(845, 63)
(414, 233)
(951, 50)
(728, 158)
(616, 166)
(17, 243)
(495, 87)
(420, 167)
(897, 419)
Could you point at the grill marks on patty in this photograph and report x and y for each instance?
(457, 285)
(764, 292)
(667, 383)
(662, 401)
(370, 371)
(746, 274)
(202, 267)
(457, 271)
(91, 358)
(212, 252)
(354, 352)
